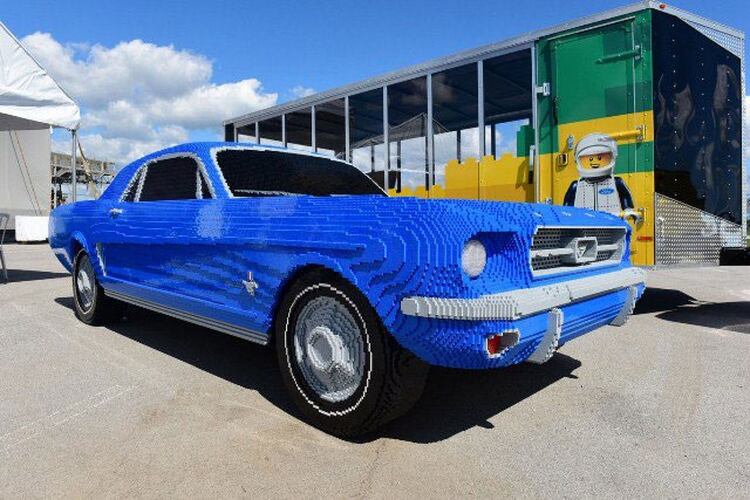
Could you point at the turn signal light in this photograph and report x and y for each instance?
(499, 342)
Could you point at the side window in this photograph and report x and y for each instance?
(133, 186)
(173, 179)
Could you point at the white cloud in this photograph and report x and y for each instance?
(300, 91)
(137, 97)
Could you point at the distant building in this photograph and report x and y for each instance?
(94, 174)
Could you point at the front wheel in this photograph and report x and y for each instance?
(89, 302)
(344, 371)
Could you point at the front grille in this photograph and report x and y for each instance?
(555, 249)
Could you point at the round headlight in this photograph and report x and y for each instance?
(473, 258)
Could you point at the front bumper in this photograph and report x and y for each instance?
(525, 302)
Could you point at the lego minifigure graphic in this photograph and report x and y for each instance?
(598, 188)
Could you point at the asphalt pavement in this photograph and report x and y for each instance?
(155, 407)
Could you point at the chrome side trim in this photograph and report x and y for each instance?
(525, 302)
(213, 324)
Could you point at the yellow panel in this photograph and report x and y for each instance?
(462, 179)
(623, 125)
(505, 178)
(642, 252)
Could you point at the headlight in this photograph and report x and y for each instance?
(473, 258)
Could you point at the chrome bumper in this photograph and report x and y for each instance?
(525, 302)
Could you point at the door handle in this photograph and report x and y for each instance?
(115, 212)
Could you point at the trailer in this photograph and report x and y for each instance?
(636, 111)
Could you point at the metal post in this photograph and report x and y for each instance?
(313, 141)
(73, 175)
(398, 166)
(493, 141)
(480, 107)
(430, 139)
(346, 128)
(536, 168)
(283, 130)
(386, 176)
(257, 133)
(458, 145)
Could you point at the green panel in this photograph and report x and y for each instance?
(595, 73)
(524, 140)
(634, 158)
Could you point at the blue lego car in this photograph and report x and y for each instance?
(359, 292)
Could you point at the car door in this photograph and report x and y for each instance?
(157, 238)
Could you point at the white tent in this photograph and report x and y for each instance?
(30, 103)
(29, 97)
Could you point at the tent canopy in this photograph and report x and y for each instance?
(29, 97)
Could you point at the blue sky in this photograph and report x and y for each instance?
(221, 52)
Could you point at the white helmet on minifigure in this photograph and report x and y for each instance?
(596, 155)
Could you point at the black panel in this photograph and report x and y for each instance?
(697, 115)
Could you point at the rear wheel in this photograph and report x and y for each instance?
(89, 302)
(344, 371)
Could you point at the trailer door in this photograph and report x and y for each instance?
(598, 96)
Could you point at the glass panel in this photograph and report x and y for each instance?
(507, 104)
(270, 132)
(407, 134)
(330, 133)
(299, 130)
(366, 133)
(246, 133)
(133, 187)
(455, 117)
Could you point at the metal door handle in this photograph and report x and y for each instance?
(114, 212)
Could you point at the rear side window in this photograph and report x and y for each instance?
(173, 179)
(133, 187)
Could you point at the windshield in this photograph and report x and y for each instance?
(250, 172)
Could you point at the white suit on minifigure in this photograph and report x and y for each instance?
(598, 188)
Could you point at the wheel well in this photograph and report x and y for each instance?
(75, 247)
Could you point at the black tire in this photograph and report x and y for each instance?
(392, 378)
(94, 308)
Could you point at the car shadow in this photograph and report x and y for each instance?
(21, 275)
(457, 400)
(678, 307)
(453, 400)
(730, 316)
(662, 299)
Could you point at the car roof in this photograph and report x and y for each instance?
(207, 146)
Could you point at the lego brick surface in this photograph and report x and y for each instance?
(196, 255)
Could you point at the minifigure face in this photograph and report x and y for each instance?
(596, 160)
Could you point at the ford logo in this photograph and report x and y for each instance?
(606, 191)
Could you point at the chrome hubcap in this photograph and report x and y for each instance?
(85, 284)
(328, 349)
